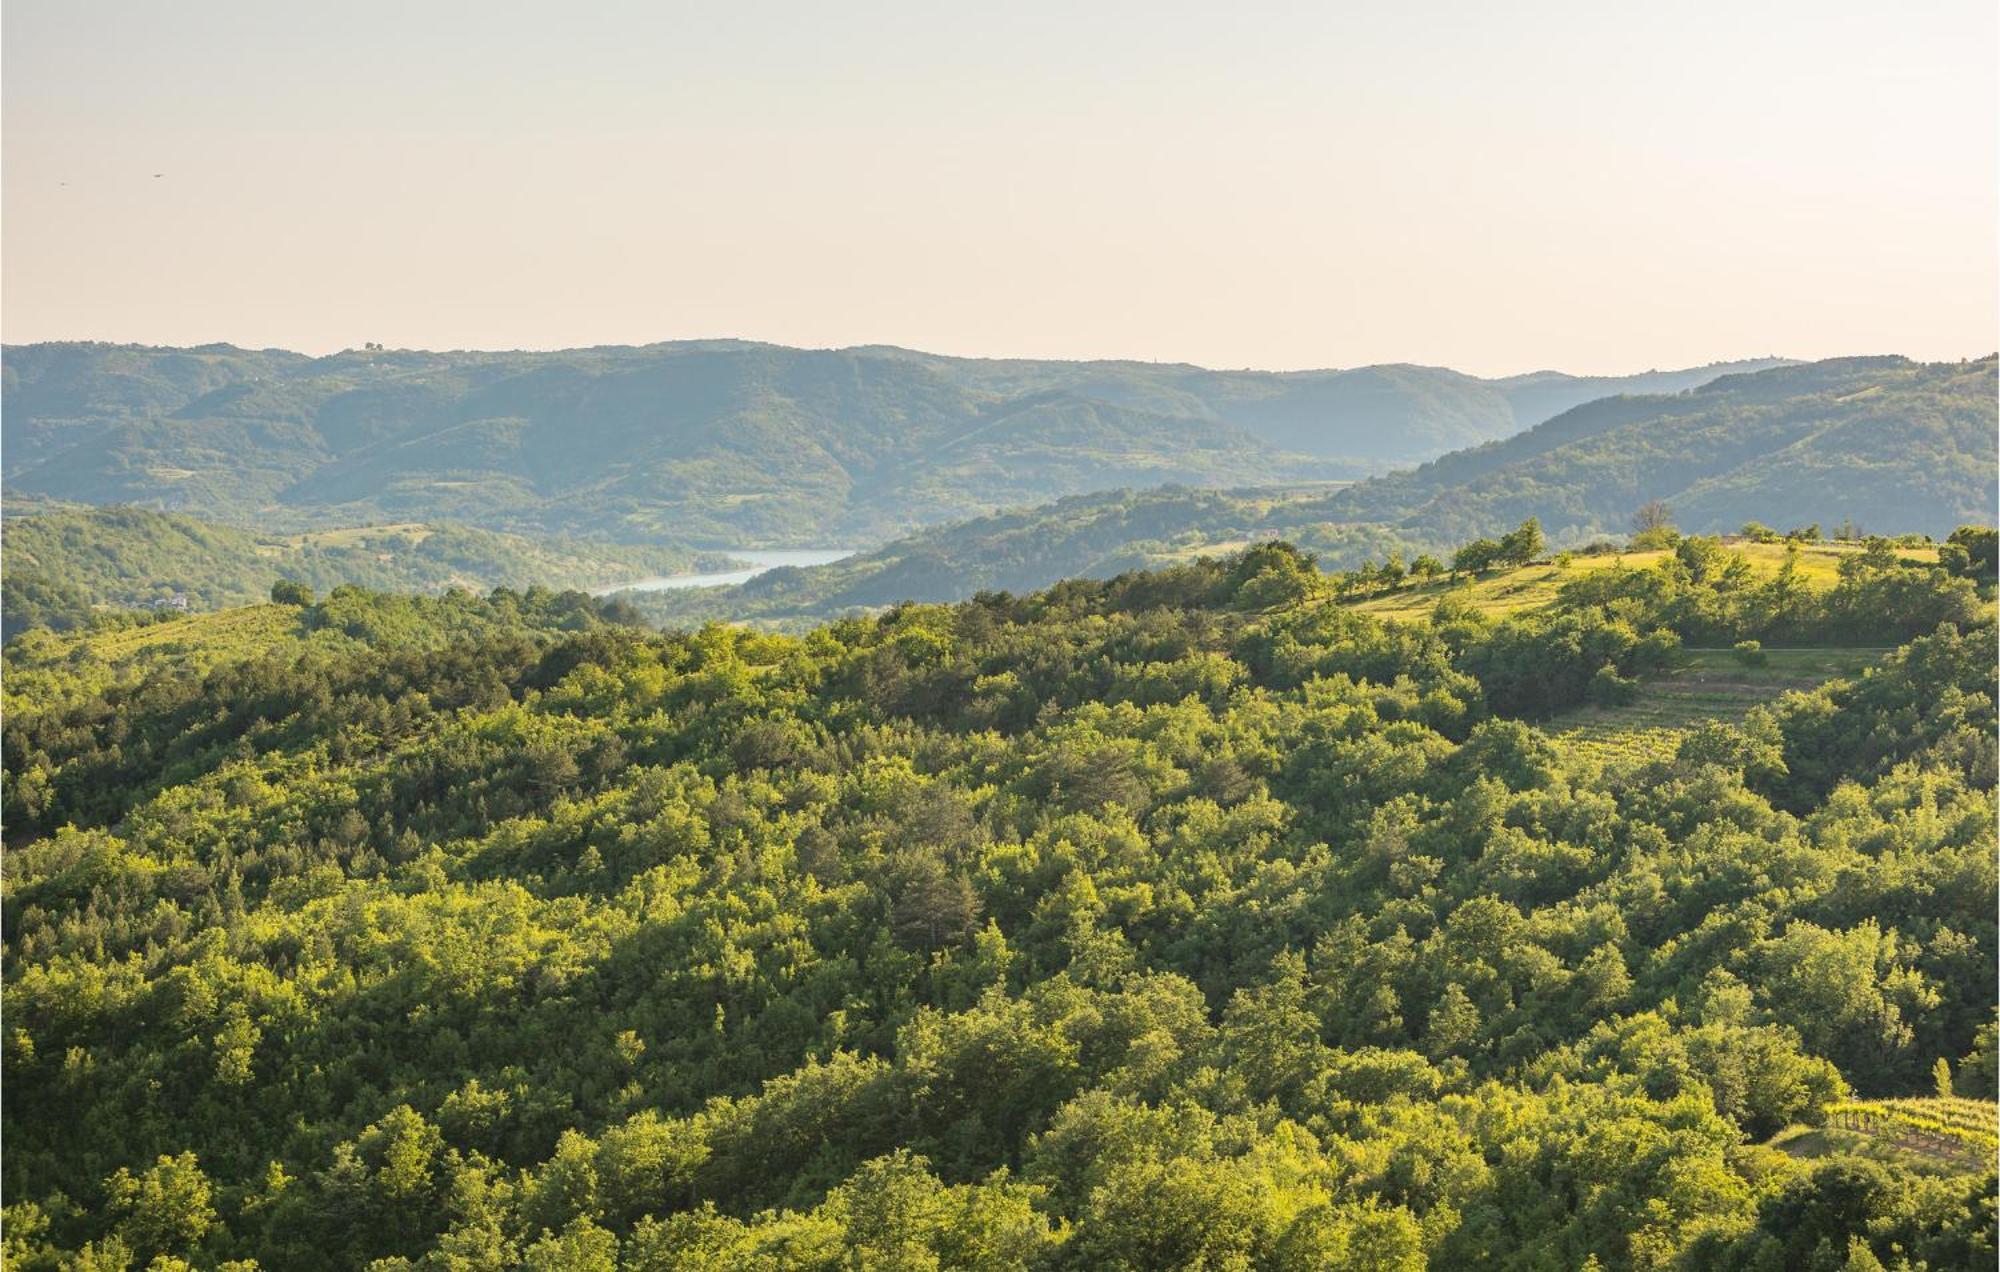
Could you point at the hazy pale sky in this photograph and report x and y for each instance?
(1603, 185)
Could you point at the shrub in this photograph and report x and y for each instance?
(291, 592)
(1609, 689)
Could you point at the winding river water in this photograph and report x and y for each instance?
(761, 559)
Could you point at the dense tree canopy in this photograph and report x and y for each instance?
(1189, 919)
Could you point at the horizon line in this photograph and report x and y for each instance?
(890, 347)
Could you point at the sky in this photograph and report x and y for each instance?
(1599, 186)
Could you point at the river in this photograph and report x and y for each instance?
(761, 559)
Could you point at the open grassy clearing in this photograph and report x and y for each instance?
(408, 533)
(1532, 586)
(1220, 547)
(1708, 684)
(1499, 592)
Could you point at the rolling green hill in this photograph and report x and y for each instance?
(1392, 414)
(1192, 919)
(720, 443)
(63, 565)
(1895, 446)
(1086, 536)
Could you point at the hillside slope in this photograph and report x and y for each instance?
(1186, 920)
(1895, 446)
(1025, 549)
(1397, 413)
(131, 558)
(722, 443)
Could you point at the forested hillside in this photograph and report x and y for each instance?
(1189, 919)
(718, 443)
(66, 567)
(1086, 536)
(1878, 445)
(1381, 414)
(1891, 445)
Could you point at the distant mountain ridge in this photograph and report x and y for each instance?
(1893, 445)
(715, 443)
(1393, 412)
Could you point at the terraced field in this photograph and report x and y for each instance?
(1941, 1135)
(1711, 684)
